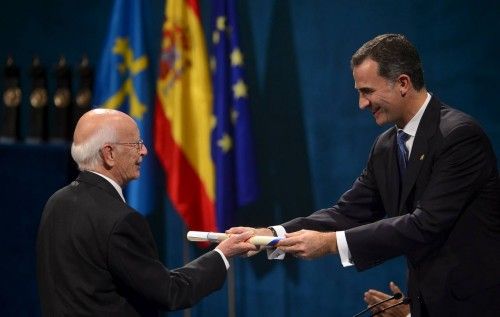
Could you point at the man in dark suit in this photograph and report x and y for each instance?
(96, 256)
(430, 191)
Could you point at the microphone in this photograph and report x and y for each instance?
(405, 301)
(395, 296)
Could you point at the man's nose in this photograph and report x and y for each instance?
(144, 150)
(363, 102)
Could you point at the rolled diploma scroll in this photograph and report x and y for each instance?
(266, 241)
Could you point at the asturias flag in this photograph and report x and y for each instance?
(122, 83)
(232, 144)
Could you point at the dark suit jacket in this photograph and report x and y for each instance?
(96, 257)
(445, 219)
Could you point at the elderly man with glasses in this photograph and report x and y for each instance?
(96, 256)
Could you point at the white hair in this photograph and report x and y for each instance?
(87, 154)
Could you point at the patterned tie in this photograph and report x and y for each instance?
(402, 137)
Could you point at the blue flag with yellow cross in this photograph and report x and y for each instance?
(123, 82)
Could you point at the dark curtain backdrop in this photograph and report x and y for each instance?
(311, 139)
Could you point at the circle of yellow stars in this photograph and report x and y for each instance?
(239, 89)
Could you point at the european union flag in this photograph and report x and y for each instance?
(123, 83)
(232, 145)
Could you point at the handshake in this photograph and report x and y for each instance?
(247, 241)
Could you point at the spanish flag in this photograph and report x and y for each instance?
(183, 118)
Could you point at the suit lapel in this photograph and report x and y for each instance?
(416, 161)
(426, 129)
(393, 176)
(96, 180)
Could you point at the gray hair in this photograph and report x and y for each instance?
(88, 154)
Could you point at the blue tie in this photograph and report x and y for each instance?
(402, 137)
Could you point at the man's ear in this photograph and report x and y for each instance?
(108, 156)
(404, 83)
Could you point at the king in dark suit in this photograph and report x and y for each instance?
(96, 255)
(430, 191)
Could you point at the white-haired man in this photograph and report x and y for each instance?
(96, 255)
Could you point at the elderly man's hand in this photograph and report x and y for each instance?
(237, 244)
(256, 232)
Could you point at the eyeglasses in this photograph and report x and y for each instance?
(138, 145)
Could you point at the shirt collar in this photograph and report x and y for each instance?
(412, 126)
(112, 182)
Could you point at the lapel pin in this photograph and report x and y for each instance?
(422, 157)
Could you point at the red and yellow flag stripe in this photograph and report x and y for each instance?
(183, 116)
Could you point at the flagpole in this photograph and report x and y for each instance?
(231, 290)
(185, 260)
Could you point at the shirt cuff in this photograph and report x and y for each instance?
(345, 254)
(226, 262)
(273, 253)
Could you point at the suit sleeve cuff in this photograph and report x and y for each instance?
(345, 254)
(273, 253)
(226, 262)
